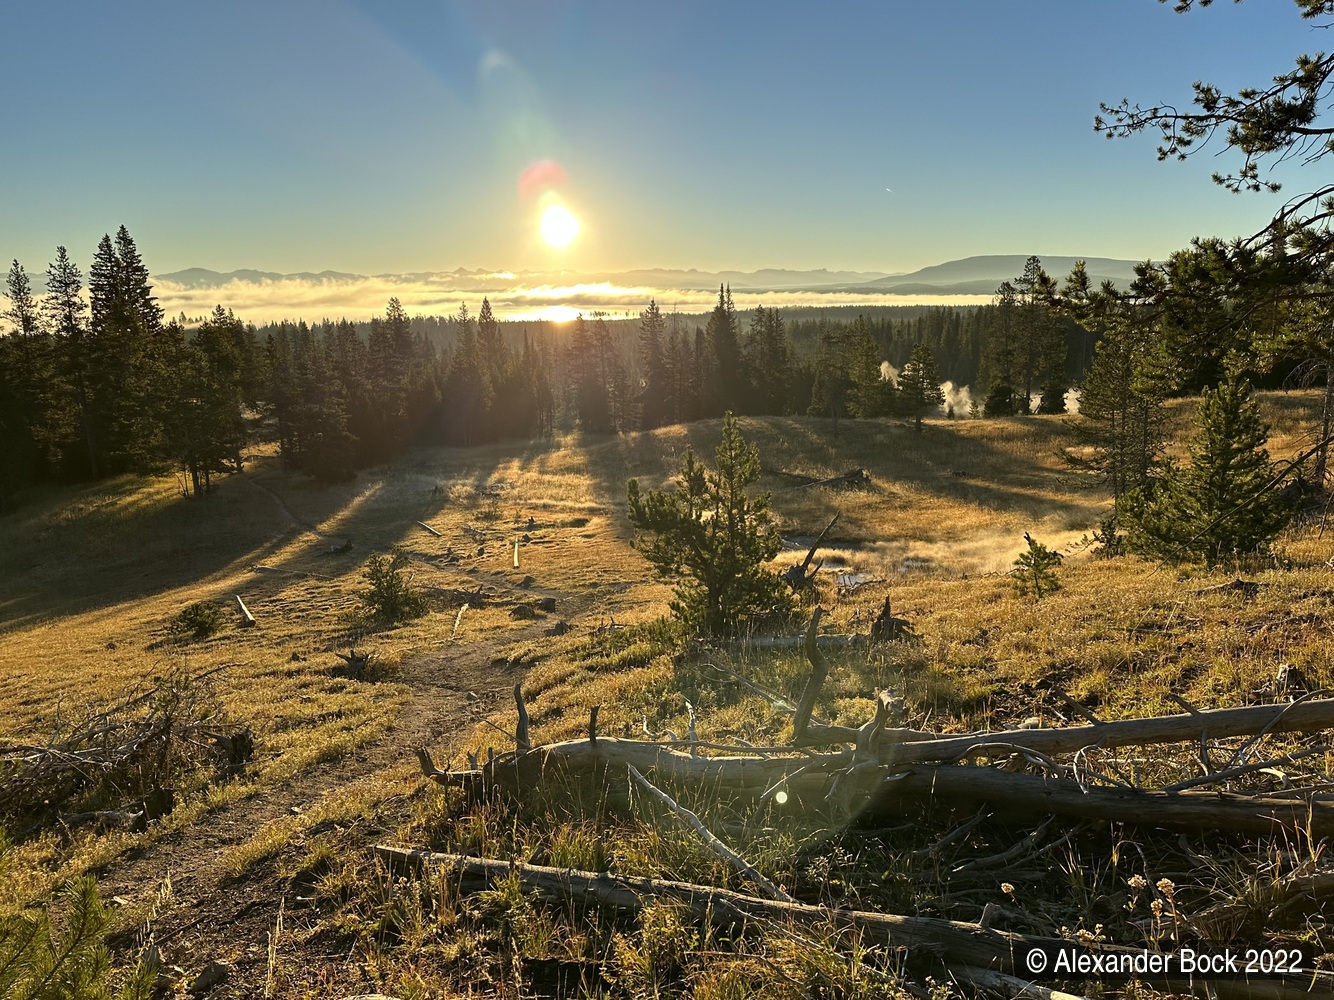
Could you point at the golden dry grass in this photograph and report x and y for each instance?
(90, 577)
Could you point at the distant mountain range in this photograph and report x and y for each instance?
(980, 275)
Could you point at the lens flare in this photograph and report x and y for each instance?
(540, 177)
(559, 227)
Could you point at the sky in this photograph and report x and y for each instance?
(387, 136)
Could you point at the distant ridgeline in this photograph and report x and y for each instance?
(103, 385)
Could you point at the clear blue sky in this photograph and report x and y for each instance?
(385, 136)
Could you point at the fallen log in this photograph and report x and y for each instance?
(606, 762)
(927, 940)
(247, 619)
(1211, 724)
(1302, 715)
(858, 784)
(1028, 794)
(851, 478)
(423, 524)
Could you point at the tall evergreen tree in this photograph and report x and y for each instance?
(653, 365)
(588, 394)
(206, 431)
(1122, 423)
(870, 394)
(467, 393)
(65, 309)
(919, 385)
(1001, 364)
(1222, 503)
(829, 394)
(770, 362)
(725, 377)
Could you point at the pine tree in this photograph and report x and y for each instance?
(868, 389)
(1040, 342)
(467, 393)
(1122, 423)
(829, 395)
(127, 372)
(713, 538)
(206, 431)
(653, 378)
(725, 378)
(769, 358)
(1223, 503)
(1000, 366)
(1035, 570)
(133, 276)
(919, 385)
(65, 308)
(33, 399)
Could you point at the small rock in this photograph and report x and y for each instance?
(214, 974)
(560, 628)
(547, 604)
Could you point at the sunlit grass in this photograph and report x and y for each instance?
(91, 577)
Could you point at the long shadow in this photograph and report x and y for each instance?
(99, 546)
(893, 455)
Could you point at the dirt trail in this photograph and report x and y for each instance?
(208, 916)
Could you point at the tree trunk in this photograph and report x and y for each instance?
(926, 941)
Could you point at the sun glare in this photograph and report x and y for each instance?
(559, 227)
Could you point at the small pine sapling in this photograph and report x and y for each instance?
(390, 596)
(1035, 570)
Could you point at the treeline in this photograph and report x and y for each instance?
(101, 384)
(97, 386)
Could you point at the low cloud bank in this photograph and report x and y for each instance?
(359, 299)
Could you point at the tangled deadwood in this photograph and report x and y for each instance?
(973, 951)
(874, 766)
(118, 765)
(800, 576)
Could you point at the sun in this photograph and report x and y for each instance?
(559, 227)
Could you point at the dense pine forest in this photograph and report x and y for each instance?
(100, 383)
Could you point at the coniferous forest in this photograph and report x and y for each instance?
(101, 383)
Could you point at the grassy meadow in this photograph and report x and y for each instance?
(91, 578)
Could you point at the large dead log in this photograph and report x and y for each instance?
(860, 784)
(606, 762)
(1027, 795)
(1211, 724)
(927, 940)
